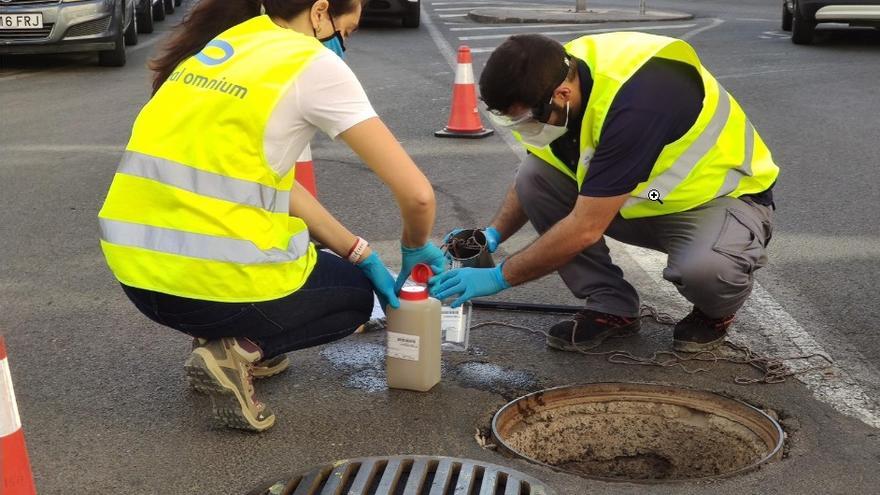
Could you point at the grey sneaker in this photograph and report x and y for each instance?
(697, 332)
(221, 369)
(588, 329)
(260, 369)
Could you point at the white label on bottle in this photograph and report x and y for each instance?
(403, 346)
(451, 323)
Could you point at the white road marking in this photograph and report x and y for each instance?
(450, 55)
(464, 3)
(518, 27)
(780, 332)
(583, 31)
(690, 34)
(762, 72)
(452, 9)
(446, 16)
(842, 391)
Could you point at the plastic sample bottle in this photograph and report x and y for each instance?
(412, 360)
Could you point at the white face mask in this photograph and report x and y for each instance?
(542, 135)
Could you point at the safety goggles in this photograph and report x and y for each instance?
(535, 117)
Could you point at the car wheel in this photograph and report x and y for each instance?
(802, 29)
(169, 6)
(786, 17)
(159, 11)
(412, 16)
(116, 56)
(145, 19)
(131, 32)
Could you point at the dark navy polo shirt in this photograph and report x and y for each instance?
(655, 107)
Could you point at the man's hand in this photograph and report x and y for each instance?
(580, 229)
(468, 283)
(493, 237)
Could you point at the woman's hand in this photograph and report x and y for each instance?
(383, 283)
(428, 254)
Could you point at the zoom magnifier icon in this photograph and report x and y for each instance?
(654, 195)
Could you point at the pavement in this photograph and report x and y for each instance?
(101, 390)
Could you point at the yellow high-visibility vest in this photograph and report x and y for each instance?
(720, 155)
(195, 210)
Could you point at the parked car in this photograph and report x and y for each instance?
(150, 11)
(409, 11)
(801, 16)
(59, 26)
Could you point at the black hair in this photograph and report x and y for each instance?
(523, 70)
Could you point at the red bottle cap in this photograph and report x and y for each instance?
(414, 293)
(421, 273)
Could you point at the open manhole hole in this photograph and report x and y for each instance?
(407, 475)
(637, 432)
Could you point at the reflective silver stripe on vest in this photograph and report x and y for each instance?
(667, 181)
(209, 184)
(201, 246)
(731, 180)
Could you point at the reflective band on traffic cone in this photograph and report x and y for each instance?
(305, 171)
(464, 118)
(15, 469)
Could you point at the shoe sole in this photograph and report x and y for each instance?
(260, 372)
(614, 333)
(228, 406)
(687, 346)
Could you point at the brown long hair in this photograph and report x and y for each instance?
(209, 18)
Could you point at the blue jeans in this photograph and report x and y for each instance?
(335, 300)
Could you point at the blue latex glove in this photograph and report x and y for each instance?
(383, 282)
(428, 254)
(467, 283)
(493, 237)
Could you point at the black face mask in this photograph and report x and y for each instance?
(334, 42)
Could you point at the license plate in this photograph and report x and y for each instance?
(21, 21)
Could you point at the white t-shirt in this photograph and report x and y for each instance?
(327, 96)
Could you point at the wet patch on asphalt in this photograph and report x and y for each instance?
(493, 378)
(363, 363)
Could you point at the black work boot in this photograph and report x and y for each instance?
(697, 332)
(590, 328)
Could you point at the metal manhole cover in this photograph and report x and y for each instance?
(407, 475)
(638, 432)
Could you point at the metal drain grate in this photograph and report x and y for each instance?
(407, 475)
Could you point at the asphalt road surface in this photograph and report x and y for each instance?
(100, 388)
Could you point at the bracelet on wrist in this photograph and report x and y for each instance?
(357, 251)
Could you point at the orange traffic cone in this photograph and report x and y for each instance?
(305, 171)
(464, 119)
(15, 469)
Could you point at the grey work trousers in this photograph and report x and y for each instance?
(713, 250)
